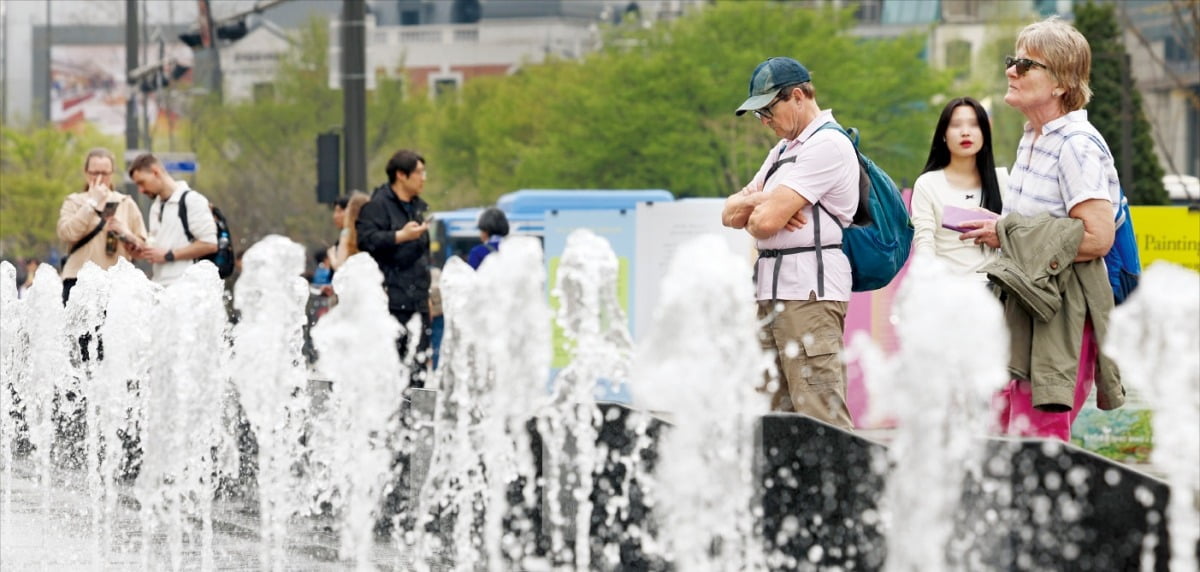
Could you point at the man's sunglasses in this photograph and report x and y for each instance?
(1023, 64)
(765, 112)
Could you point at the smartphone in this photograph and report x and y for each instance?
(110, 209)
(428, 218)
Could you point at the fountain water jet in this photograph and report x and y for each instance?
(85, 313)
(598, 340)
(1154, 338)
(355, 340)
(115, 410)
(941, 412)
(267, 369)
(16, 346)
(701, 363)
(49, 375)
(184, 435)
(495, 358)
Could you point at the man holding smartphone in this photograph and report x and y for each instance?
(98, 223)
(393, 227)
(171, 250)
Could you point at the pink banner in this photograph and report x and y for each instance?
(870, 312)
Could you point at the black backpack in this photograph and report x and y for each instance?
(223, 258)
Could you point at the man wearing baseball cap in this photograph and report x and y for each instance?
(802, 276)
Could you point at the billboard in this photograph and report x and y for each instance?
(87, 85)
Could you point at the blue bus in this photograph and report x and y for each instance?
(455, 232)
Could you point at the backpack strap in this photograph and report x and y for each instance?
(776, 166)
(817, 214)
(183, 216)
(1119, 217)
(778, 255)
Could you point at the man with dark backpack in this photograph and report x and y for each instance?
(224, 257)
(804, 277)
(171, 248)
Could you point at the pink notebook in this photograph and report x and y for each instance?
(953, 217)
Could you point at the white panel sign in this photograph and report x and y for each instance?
(661, 229)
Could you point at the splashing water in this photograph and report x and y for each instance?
(455, 482)
(85, 313)
(496, 358)
(183, 400)
(270, 378)
(1154, 337)
(49, 374)
(940, 410)
(168, 363)
(518, 359)
(16, 346)
(355, 340)
(701, 362)
(114, 407)
(601, 351)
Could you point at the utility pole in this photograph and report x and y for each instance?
(354, 94)
(208, 34)
(4, 63)
(131, 63)
(49, 65)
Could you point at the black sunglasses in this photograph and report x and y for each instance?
(765, 112)
(1023, 64)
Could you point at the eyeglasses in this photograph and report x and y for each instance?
(1023, 64)
(765, 112)
(99, 173)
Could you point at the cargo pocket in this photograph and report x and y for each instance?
(823, 364)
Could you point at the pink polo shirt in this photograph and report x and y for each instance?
(825, 170)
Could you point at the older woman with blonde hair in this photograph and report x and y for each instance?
(1056, 227)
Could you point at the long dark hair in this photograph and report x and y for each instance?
(939, 152)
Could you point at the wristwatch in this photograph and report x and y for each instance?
(169, 256)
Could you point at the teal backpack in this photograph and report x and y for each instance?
(877, 242)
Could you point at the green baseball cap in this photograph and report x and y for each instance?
(768, 78)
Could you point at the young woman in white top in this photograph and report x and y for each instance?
(960, 172)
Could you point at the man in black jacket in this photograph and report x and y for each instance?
(392, 227)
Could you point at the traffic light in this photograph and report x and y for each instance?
(233, 31)
(192, 39)
(329, 167)
(228, 32)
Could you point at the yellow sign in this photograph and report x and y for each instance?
(1167, 233)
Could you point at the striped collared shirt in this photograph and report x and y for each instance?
(1068, 163)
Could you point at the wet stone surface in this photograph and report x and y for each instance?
(51, 528)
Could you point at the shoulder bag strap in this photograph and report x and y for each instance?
(86, 238)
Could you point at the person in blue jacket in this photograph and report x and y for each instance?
(493, 227)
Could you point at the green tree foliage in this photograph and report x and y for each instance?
(654, 108)
(39, 167)
(1098, 23)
